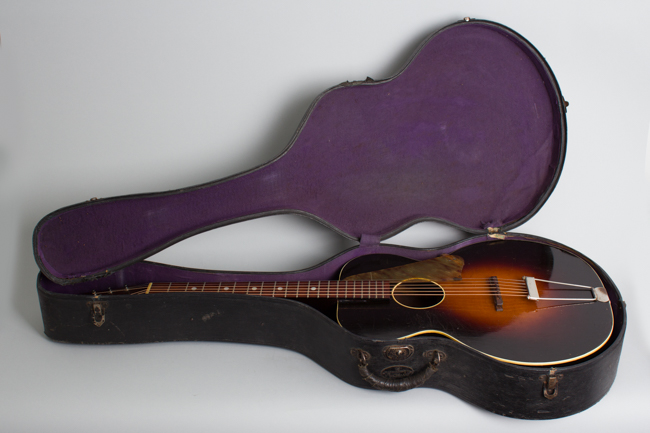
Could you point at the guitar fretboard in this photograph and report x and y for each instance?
(276, 289)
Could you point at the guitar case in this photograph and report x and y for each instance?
(471, 132)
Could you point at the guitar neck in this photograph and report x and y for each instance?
(275, 289)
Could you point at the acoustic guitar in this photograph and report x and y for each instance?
(519, 302)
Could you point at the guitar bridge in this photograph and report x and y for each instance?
(598, 293)
(498, 300)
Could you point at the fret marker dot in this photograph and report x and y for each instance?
(254, 288)
(313, 288)
(193, 288)
(279, 288)
(226, 288)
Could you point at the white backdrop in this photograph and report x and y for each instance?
(109, 98)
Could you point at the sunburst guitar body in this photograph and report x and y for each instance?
(520, 302)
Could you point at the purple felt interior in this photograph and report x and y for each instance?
(145, 272)
(471, 132)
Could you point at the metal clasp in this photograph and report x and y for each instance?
(98, 313)
(496, 233)
(551, 384)
(436, 357)
(398, 353)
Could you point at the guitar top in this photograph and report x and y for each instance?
(517, 301)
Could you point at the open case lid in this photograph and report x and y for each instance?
(471, 132)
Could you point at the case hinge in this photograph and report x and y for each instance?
(496, 233)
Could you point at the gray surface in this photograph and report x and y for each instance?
(126, 97)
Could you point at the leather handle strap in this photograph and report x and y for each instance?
(398, 384)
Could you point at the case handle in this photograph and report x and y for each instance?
(401, 383)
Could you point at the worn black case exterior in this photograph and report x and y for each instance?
(506, 389)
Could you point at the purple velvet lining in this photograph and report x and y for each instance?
(145, 272)
(470, 133)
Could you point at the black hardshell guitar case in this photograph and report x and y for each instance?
(471, 132)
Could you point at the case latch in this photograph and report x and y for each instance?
(398, 353)
(98, 313)
(551, 384)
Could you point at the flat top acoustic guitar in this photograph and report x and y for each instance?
(520, 302)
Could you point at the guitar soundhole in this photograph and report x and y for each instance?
(418, 293)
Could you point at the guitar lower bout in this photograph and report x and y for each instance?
(519, 302)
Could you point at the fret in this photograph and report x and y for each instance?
(358, 289)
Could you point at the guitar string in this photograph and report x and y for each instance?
(383, 292)
(350, 283)
(450, 287)
(401, 288)
(230, 287)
